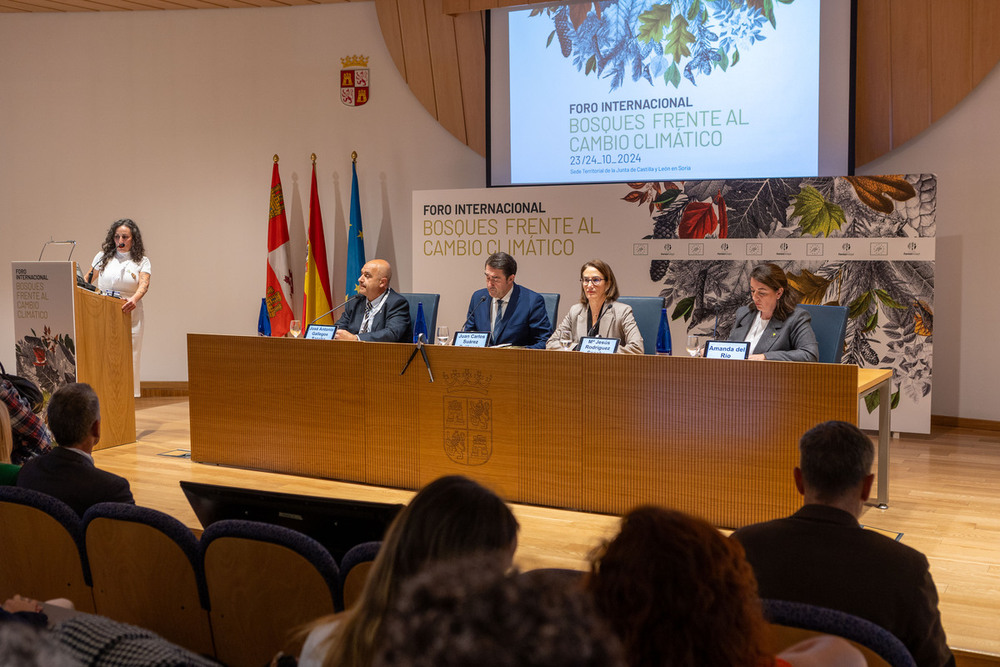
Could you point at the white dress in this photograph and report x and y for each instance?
(121, 274)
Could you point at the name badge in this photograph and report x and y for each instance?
(321, 332)
(599, 345)
(471, 338)
(727, 349)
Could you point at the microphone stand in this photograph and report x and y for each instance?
(335, 308)
(419, 348)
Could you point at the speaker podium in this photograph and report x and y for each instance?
(64, 333)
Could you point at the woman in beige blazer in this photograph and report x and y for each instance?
(598, 313)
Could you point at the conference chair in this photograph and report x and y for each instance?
(646, 310)
(829, 323)
(792, 622)
(551, 307)
(354, 569)
(43, 554)
(146, 570)
(430, 302)
(264, 582)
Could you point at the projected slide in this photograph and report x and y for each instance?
(644, 90)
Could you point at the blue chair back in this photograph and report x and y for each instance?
(44, 555)
(829, 323)
(551, 308)
(860, 631)
(147, 571)
(646, 310)
(430, 302)
(264, 582)
(354, 567)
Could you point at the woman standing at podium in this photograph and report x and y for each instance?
(122, 266)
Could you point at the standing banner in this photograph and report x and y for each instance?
(865, 242)
(44, 326)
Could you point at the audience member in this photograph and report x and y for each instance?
(102, 642)
(68, 471)
(449, 518)
(820, 555)
(469, 613)
(31, 438)
(676, 592)
(22, 645)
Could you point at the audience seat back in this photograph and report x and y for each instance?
(146, 571)
(264, 582)
(43, 556)
(354, 569)
(867, 636)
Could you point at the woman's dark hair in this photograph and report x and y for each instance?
(108, 248)
(772, 276)
(602, 267)
(676, 592)
(449, 518)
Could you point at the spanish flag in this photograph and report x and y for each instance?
(279, 290)
(316, 288)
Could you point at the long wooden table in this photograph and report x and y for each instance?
(581, 431)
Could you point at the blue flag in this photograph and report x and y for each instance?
(355, 239)
(263, 321)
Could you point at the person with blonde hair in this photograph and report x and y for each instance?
(449, 518)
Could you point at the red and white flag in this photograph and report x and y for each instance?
(280, 289)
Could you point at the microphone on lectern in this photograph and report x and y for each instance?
(335, 308)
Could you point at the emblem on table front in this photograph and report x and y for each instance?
(468, 417)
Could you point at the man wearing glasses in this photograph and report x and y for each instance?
(513, 315)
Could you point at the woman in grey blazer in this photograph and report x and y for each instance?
(599, 313)
(775, 327)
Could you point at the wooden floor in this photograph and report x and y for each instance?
(944, 499)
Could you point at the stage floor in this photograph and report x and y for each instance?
(944, 499)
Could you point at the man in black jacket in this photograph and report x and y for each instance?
(68, 471)
(821, 555)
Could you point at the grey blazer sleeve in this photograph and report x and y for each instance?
(794, 339)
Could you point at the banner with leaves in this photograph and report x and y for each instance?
(865, 242)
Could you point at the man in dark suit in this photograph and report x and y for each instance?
(382, 315)
(821, 555)
(68, 472)
(514, 315)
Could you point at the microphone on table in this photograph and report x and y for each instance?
(335, 308)
(484, 297)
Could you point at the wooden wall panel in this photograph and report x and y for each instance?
(387, 12)
(950, 55)
(470, 36)
(909, 60)
(416, 52)
(873, 106)
(985, 38)
(443, 48)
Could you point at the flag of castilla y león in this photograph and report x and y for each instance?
(280, 290)
(354, 81)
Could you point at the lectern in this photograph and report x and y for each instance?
(64, 333)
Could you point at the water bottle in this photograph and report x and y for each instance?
(420, 326)
(663, 334)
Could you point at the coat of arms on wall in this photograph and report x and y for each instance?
(468, 418)
(354, 80)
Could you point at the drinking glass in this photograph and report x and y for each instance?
(295, 328)
(692, 346)
(566, 342)
(443, 335)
